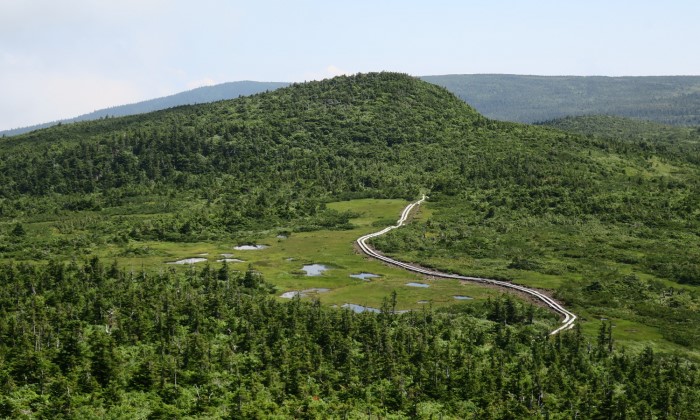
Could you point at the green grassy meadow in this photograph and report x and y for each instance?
(281, 263)
(282, 260)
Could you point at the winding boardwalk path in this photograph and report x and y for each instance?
(568, 317)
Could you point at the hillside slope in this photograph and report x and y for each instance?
(667, 99)
(625, 128)
(332, 126)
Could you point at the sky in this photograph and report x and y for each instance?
(63, 58)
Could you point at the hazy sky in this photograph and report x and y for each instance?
(62, 58)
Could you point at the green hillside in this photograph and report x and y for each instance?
(666, 99)
(626, 129)
(94, 323)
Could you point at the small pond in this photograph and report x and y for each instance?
(423, 302)
(460, 297)
(303, 293)
(314, 269)
(249, 247)
(359, 308)
(417, 284)
(364, 276)
(187, 261)
(230, 260)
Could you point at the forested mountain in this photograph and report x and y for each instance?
(610, 224)
(199, 95)
(666, 99)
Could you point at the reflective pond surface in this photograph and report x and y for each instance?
(188, 261)
(249, 247)
(364, 276)
(303, 293)
(417, 284)
(359, 308)
(314, 269)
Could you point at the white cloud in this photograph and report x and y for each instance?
(335, 71)
(328, 72)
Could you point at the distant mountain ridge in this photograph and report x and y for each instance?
(673, 100)
(205, 94)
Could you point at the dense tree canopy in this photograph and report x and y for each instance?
(84, 339)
